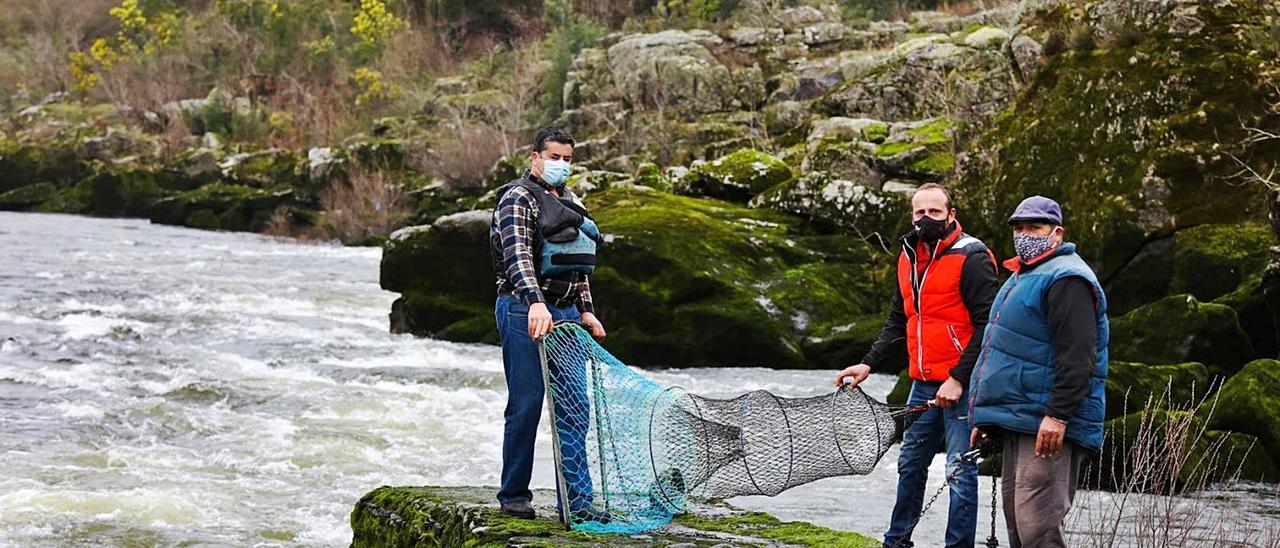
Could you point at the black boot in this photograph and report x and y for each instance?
(520, 509)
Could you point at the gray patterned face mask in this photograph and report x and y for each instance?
(1029, 247)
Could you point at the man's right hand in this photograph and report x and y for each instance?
(539, 321)
(856, 374)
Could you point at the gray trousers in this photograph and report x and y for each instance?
(1037, 492)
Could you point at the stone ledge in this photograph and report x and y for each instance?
(469, 516)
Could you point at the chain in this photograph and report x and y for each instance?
(992, 541)
(968, 458)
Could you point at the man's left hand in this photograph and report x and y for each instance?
(1049, 439)
(593, 325)
(949, 393)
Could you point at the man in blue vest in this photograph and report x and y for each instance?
(1040, 380)
(542, 259)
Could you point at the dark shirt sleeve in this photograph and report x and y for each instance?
(893, 333)
(978, 289)
(1070, 304)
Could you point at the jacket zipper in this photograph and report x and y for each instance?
(919, 297)
(986, 342)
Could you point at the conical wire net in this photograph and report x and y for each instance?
(631, 454)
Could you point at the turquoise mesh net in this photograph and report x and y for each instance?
(632, 453)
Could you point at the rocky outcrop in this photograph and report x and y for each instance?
(469, 516)
(682, 281)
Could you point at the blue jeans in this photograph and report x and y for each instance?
(919, 444)
(525, 395)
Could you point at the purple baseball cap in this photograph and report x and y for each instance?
(1038, 208)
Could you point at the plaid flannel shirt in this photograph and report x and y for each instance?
(516, 221)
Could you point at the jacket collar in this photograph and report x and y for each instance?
(1017, 265)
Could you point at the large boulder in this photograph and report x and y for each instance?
(444, 274)
(737, 177)
(1248, 403)
(675, 68)
(1179, 329)
(682, 282)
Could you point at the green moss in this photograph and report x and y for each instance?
(763, 525)
(937, 131)
(876, 133)
(464, 516)
(895, 148)
(935, 164)
(736, 177)
(1213, 260)
(1248, 403)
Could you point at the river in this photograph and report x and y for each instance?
(162, 385)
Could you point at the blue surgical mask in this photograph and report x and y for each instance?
(555, 172)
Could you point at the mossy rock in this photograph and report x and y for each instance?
(1207, 261)
(220, 206)
(453, 297)
(682, 281)
(124, 193)
(1132, 386)
(1206, 455)
(737, 177)
(837, 204)
(1248, 403)
(1130, 140)
(1257, 304)
(28, 197)
(651, 175)
(1180, 329)
(469, 516)
(271, 168)
(700, 282)
(23, 164)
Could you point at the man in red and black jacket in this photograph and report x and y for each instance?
(946, 283)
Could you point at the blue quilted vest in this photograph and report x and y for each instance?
(1015, 372)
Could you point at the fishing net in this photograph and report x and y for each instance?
(631, 454)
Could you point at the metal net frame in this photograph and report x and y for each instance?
(630, 454)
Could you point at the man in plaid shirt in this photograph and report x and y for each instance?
(528, 304)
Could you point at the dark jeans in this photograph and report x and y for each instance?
(919, 444)
(525, 395)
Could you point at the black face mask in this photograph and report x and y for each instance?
(930, 229)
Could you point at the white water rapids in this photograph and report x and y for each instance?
(163, 386)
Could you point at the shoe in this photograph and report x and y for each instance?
(520, 509)
(591, 513)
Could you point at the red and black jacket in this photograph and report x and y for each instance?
(944, 297)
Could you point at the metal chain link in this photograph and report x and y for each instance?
(970, 458)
